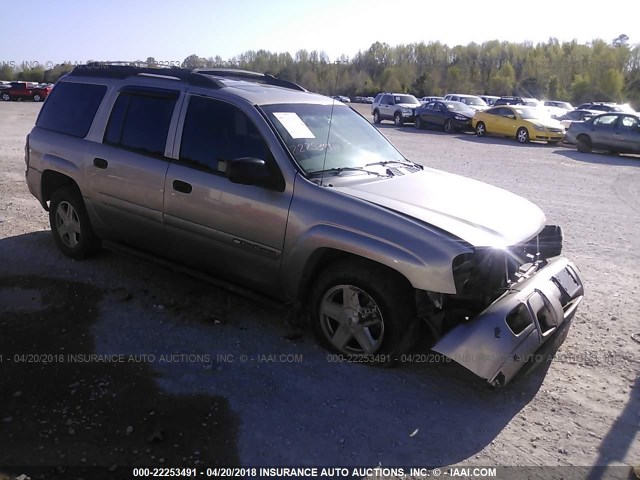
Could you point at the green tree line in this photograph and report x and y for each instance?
(598, 70)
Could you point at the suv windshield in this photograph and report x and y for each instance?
(351, 142)
(410, 99)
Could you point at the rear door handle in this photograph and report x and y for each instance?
(180, 186)
(100, 163)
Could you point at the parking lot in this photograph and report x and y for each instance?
(184, 372)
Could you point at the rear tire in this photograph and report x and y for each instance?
(419, 125)
(70, 224)
(37, 98)
(360, 308)
(6, 97)
(376, 117)
(481, 129)
(584, 145)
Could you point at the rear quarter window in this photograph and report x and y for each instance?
(70, 108)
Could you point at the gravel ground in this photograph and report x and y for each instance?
(170, 394)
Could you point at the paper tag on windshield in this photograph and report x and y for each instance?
(294, 125)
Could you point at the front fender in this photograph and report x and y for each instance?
(435, 276)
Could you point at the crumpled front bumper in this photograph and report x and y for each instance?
(509, 333)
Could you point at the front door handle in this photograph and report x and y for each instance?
(100, 163)
(180, 186)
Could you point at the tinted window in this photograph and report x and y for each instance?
(140, 122)
(70, 108)
(215, 132)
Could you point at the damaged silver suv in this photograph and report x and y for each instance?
(257, 181)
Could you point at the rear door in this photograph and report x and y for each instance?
(127, 173)
(236, 231)
(627, 134)
(386, 106)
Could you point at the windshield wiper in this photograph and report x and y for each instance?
(387, 162)
(348, 169)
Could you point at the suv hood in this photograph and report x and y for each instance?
(407, 105)
(478, 213)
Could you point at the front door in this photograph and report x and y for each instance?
(232, 230)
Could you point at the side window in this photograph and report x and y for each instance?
(387, 100)
(70, 108)
(140, 120)
(605, 120)
(215, 132)
(629, 123)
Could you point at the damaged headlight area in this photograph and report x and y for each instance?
(509, 302)
(488, 272)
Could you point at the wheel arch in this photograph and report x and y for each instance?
(424, 260)
(323, 258)
(52, 181)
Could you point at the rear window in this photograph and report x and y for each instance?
(70, 108)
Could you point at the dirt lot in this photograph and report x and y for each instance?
(187, 374)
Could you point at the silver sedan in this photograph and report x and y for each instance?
(614, 132)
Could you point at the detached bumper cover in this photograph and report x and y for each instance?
(500, 341)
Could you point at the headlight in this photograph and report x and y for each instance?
(539, 128)
(406, 110)
(462, 266)
(461, 118)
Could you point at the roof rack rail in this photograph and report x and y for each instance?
(106, 70)
(232, 73)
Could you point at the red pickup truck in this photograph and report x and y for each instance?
(25, 90)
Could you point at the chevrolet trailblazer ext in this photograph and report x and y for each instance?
(292, 194)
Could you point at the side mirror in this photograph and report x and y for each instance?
(254, 171)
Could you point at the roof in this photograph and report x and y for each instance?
(258, 88)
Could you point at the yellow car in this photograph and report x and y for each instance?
(518, 121)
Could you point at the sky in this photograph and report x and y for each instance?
(171, 30)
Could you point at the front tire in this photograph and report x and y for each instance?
(397, 119)
(481, 129)
(448, 126)
(419, 125)
(6, 97)
(584, 144)
(522, 135)
(37, 98)
(70, 224)
(361, 308)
